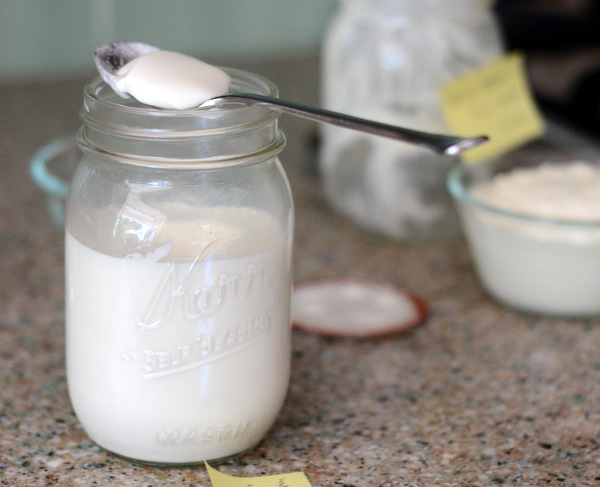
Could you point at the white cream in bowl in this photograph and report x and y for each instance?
(534, 233)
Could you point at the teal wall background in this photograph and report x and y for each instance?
(56, 38)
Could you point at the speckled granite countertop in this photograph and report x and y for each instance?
(477, 396)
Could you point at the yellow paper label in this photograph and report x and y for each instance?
(296, 479)
(493, 100)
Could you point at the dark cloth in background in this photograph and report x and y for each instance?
(561, 41)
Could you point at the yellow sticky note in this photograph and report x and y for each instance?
(296, 479)
(493, 100)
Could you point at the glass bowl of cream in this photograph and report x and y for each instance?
(533, 229)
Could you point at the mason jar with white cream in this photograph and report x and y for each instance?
(179, 231)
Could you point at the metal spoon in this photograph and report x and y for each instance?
(111, 57)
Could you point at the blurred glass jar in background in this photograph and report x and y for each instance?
(387, 60)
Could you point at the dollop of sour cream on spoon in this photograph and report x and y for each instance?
(166, 79)
(171, 80)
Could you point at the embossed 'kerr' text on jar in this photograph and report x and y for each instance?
(178, 265)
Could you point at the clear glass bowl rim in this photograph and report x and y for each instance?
(458, 190)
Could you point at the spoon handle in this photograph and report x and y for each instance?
(442, 144)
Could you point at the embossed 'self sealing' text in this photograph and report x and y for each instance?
(206, 348)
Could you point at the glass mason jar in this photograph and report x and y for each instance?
(387, 60)
(178, 265)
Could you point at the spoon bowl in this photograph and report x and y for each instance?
(110, 58)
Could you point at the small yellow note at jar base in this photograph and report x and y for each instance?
(179, 231)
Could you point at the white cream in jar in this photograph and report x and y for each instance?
(535, 237)
(187, 328)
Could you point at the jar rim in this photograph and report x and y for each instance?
(129, 131)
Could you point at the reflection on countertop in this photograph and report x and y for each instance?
(478, 395)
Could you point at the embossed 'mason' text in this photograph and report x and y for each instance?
(175, 437)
